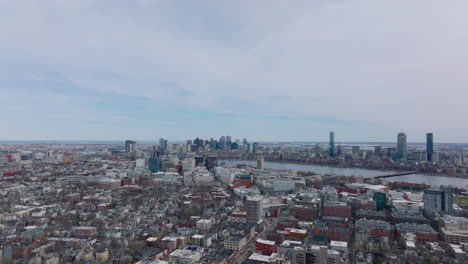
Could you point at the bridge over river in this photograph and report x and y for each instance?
(394, 175)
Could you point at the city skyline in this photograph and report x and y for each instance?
(233, 132)
(267, 71)
(401, 141)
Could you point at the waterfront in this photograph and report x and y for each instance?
(414, 178)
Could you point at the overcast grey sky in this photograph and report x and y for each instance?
(265, 70)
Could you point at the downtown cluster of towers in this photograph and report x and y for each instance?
(401, 149)
(402, 146)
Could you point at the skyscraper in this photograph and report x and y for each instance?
(429, 146)
(401, 146)
(155, 162)
(447, 199)
(222, 143)
(130, 145)
(332, 144)
(162, 145)
(255, 147)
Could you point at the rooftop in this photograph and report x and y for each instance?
(338, 244)
(263, 241)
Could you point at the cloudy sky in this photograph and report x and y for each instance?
(265, 70)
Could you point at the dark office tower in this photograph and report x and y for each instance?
(222, 143)
(162, 145)
(401, 146)
(244, 143)
(429, 146)
(332, 144)
(155, 164)
(234, 145)
(199, 160)
(211, 162)
(339, 150)
(255, 147)
(447, 199)
(228, 142)
(130, 145)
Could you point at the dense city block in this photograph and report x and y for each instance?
(220, 201)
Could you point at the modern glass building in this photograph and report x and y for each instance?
(429, 146)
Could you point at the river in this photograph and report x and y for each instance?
(414, 178)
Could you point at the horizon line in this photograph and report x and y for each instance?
(178, 141)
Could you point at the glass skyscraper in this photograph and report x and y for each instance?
(429, 146)
(332, 144)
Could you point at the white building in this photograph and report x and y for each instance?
(455, 229)
(283, 185)
(188, 164)
(235, 242)
(140, 163)
(205, 224)
(184, 256)
(201, 174)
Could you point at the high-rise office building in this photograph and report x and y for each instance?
(429, 146)
(212, 143)
(130, 145)
(222, 143)
(254, 208)
(162, 145)
(228, 142)
(438, 200)
(155, 162)
(131, 149)
(255, 147)
(332, 144)
(401, 146)
(339, 150)
(447, 201)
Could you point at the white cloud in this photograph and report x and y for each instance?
(393, 64)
